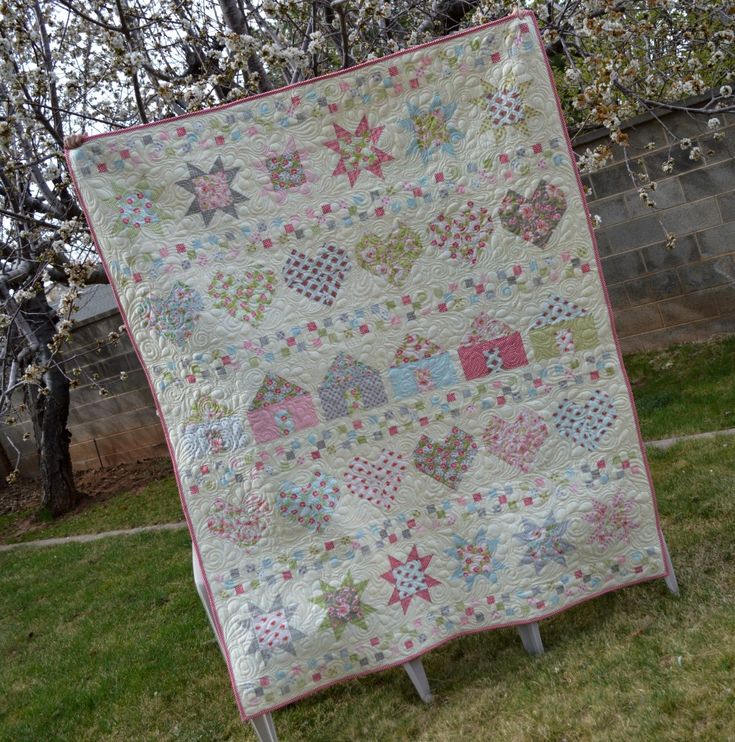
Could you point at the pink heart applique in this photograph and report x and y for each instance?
(516, 442)
(312, 504)
(586, 424)
(377, 482)
(533, 219)
(448, 461)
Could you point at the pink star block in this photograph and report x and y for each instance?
(409, 578)
(358, 151)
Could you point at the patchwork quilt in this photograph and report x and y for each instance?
(372, 315)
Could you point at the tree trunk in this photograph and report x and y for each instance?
(49, 408)
(50, 413)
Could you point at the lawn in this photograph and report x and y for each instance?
(157, 502)
(686, 389)
(637, 664)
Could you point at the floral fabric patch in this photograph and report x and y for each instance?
(448, 461)
(344, 605)
(535, 218)
(174, 317)
(311, 505)
(517, 441)
(390, 258)
(245, 298)
(463, 238)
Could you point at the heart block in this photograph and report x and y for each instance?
(319, 278)
(390, 257)
(516, 442)
(448, 461)
(533, 219)
(377, 482)
(245, 297)
(310, 505)
(586, 424)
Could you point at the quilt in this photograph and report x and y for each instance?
(372, 315)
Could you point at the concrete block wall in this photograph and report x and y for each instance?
(106, 430)
(660, 294)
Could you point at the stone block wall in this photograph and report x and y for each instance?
(119, 427)
(663, 294)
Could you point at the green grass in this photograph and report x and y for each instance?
(107, 641)
(686, 389)
(157, 502)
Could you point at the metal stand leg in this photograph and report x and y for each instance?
(531, 638)
(201, 589)
(415, 670)
(671, 581)
(264, 728)
(263, 725)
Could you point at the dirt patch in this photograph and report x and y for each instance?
(96, 484)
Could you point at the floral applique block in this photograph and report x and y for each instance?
(212, 191)
(419, 366)
(344, 605)
(244, 297)
(211, 429)
(562, 327)
(376, 481)
(358, 151)
(270, 630)
(613, 521)
(489, 346)
(448, 461)
(410, 579)
(517, 442)
(349, 386)
(311, 505)
(279, 409)
(431, 129)
(242, 525)
(174, 317)
(391, 257)
(544, 543)
(319, 278)
(533, 219)
(475, 558)
(504, 108)
(135, 211)
(464, 237)
(585, 424)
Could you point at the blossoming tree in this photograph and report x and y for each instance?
(73, 67)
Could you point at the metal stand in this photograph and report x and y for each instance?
(415, 671)
(531, 638)
(671, 581)
(265, 729)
